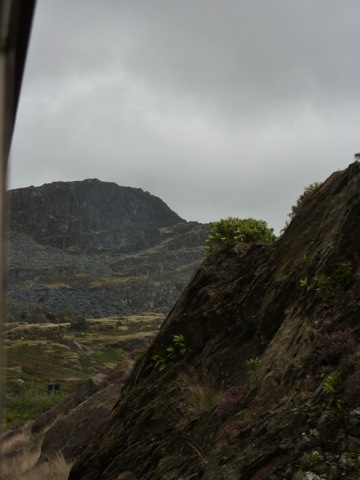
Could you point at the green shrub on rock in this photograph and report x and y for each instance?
(231, 230)
(178, 349)
(299, 202)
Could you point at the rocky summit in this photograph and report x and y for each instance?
(90, 216)
(255, 374)
(99, 249)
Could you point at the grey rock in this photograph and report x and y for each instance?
(99, 249)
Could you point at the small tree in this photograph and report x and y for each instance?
(231, 230)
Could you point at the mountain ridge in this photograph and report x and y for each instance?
(64, 214)
(99, 248)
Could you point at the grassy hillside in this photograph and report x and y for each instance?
(46, 347)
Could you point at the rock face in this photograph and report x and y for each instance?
(99, 248)
(74, 431)
(275, 331)
(90, 216)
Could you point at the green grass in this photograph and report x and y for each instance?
(42, 353)
(28, 405)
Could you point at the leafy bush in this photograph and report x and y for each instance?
(306, 193)
(253, 362)
(300, 200)
(231, 230)
(331, 384)
(326, 286)
(231, 399)
(178, 349)
(332, 388)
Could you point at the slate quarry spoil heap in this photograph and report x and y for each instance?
(273, 329)
(99, 249)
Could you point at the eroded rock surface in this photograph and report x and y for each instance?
(281, 324)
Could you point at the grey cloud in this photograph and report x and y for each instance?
(220, 108)
(248, 53)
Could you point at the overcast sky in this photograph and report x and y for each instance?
(219, 107)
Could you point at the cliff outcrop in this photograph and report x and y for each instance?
(90, 216)
(256, 371)
(99, 248)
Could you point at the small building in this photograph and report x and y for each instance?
(53, 389)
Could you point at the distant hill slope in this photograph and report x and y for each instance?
(99, 248)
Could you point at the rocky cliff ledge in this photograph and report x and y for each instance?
(262, 379)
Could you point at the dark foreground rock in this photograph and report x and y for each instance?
(72, 432)
(275, 331)
(71, 424)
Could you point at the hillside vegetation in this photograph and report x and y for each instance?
(46, 347)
